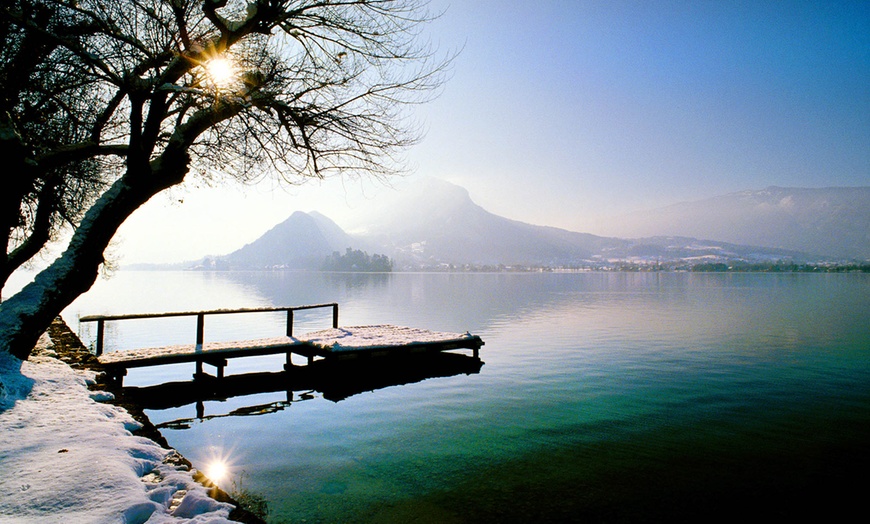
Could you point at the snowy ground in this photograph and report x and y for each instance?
(67, 457)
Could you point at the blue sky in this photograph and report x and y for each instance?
(565, 113)
(609, 105)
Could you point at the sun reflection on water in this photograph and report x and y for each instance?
(217, 471)
(218, 466)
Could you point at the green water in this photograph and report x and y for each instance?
(615, 397)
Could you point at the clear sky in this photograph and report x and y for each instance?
(565, 112)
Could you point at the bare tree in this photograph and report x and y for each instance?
(148, 91)
(42, 100)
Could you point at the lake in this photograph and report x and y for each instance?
(617, 397)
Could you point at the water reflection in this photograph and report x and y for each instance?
(619, 397)
(333, 380)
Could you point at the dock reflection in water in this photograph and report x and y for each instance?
(334, 380)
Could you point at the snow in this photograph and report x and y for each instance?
(361, 337)
(66, 457)
(349, 338)
(192, 349)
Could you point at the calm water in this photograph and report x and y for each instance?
(603, 397)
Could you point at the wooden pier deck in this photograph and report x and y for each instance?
(330, 344)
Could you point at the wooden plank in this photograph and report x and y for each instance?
(334, 344)
(189, 352)
(94, 318)
(386, 337)
(200, 318)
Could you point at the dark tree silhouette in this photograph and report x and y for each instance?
(357, 260)
(105, 103)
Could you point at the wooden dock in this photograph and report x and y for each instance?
(331, 344)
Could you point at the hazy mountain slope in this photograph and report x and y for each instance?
(334, 235)
(302, 241)
(438, 222)
(668, 249)
(829, 221)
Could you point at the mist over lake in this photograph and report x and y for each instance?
(603, 396)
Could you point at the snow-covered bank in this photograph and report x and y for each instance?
(66, 457)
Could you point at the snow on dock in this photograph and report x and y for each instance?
(190, 352)
(335, 343)
(321, 343)
(385, 336)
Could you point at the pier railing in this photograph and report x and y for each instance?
(200, 318)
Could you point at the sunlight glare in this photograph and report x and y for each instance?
(221, 71)
(216, 471)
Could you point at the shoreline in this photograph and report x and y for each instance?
(71, 351)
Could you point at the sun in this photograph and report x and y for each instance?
(221, 71)
(217, 471)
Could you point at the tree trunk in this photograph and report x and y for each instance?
(28, 313)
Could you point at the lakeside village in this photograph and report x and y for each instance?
(658, 266)
(361, 262)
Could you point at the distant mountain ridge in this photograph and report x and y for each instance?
(300, 242)
(832, 222)
(437, 224)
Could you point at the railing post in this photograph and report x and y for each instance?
(200, 328)
(335, 316)
(289, 325)
(101, 328)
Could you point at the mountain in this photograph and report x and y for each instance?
(833, 222)
(437, 222)
(300, 242)
(334, 235)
